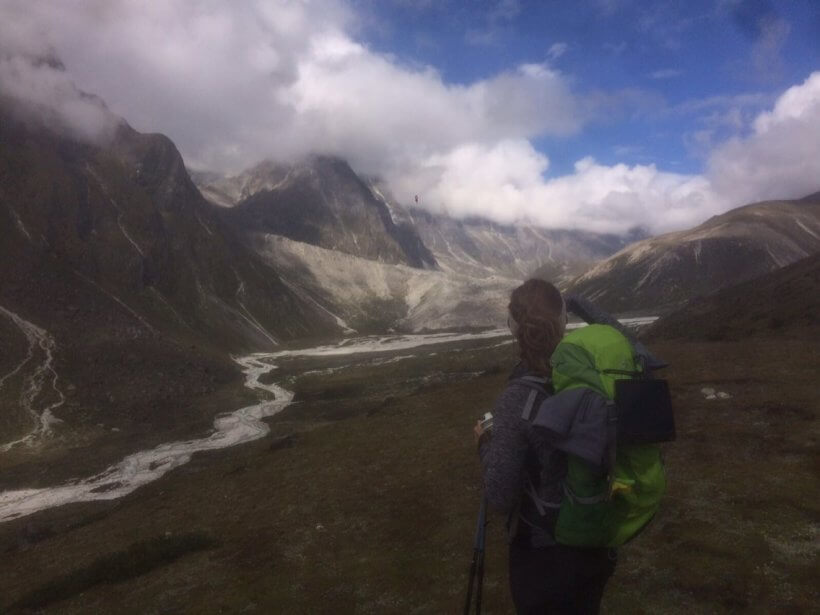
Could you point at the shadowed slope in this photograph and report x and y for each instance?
(779, 302)
(140, 286)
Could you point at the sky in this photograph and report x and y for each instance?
(602, 115)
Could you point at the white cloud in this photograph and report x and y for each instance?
(781, 158)
(361, 105)
(798, 103)
(35, 85)
(37, 88)
(505, 10)
(233, 83)
(666, 73)
(506, 182)
(766, 53)
(496, 19)
(556, 50)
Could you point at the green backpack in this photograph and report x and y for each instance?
(609, 415)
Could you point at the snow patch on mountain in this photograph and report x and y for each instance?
(806, 228)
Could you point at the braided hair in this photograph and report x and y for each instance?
(537, 320)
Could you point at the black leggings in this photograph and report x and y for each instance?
(559, 579)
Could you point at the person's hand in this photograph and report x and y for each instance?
(478, 430)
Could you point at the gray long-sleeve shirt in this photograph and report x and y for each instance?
(511, 454)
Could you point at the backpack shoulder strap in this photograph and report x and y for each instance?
(544, 512)
(538, 386)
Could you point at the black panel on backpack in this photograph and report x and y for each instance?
(644, 411)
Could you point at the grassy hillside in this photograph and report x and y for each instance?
(363, 500)
(785, 301)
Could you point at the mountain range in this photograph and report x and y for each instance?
(120, 281)
(345, 243)
(127, 281)
(467, 262)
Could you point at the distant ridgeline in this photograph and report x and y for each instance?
(668, 270)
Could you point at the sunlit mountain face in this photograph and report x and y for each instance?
(671, 269)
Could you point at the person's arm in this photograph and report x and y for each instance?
(503, 451)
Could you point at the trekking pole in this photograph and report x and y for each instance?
(477, 565)
(479, 593)
(594, 315)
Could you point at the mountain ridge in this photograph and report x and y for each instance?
(135, 287)
(738, 245)
(472, 246)
(321, 201)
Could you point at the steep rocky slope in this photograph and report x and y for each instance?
(479, 247)
(323, 202)
(368, 296)
(122, 291)
(347, 246)
(725, 250)
(320, 201)
(126, 221)
(229, 190)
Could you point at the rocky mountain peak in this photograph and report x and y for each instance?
(157, 166)
(321, 201)
(267, 175)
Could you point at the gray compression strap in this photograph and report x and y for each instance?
(612, 440)
(528, 406)
(601, 497)
(541, 504)
(530, 490)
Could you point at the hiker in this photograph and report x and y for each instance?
(524, 476)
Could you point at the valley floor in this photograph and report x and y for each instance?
(363, 499)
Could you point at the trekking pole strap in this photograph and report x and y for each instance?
(593, 499)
